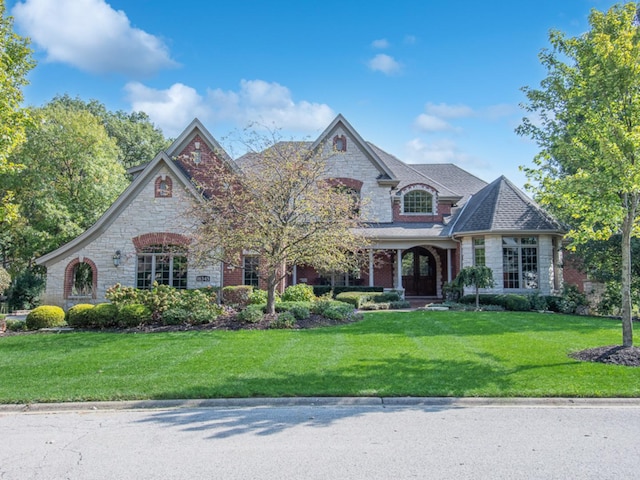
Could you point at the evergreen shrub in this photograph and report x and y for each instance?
(45, 316)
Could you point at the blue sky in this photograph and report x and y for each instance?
(427, 81)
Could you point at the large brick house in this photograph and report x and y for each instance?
(425, 223)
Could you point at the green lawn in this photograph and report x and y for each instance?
(387, 354)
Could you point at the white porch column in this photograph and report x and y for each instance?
(449, 265)
(399, 269)
(371, 267)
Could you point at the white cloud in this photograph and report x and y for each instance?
(91, 36)
(431, 123)
(445, 110)
(385, 64)
(269, 104)
(171, 109)
(441, 151)
(380, 43)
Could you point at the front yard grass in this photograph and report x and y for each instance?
(492, 354)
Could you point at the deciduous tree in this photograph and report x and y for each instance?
(283, 208)
(585, 118)
(477, 277)
(15, 63)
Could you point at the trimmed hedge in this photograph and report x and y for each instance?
(45, 316)
(298, 293)
(103, 315)
(321, 290)
(358, 299)
(237, 296)
(509, 301)
(132, 315)
(78, 315)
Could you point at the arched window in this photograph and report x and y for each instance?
(165, 264)
(80, 279)
(340, 143)
(164, 187)
(417, 201)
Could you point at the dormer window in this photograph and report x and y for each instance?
(417, 202)
(340, 143)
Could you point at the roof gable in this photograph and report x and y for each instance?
(502, 207)
(386, 174)
(116, 208)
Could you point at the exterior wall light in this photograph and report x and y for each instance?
(116, 258)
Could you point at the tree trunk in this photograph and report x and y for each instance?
(271, 294)
(477, 298)
(627, 326)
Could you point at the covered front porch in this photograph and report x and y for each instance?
(418, 271)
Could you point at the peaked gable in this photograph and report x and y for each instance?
(386, 175)
(502, 207)
(148, 175)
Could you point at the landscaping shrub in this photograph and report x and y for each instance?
(45, 316)
(321, 306)
(386, 297)
(300, 312)
(284, 320)
(237, 296)
(258, 296)
(252, 314)
(103, 315)
(25, 290)
(78, 315)
(510, 301)
(399, 305)
(119, 295)
(286, 306)
(299, 293)
(375, 306)
(354, 298)
(572, 299)
(132, 315)
(322, 290)
(16, 325)
(199, 304)
(538, 302)
(339, 312)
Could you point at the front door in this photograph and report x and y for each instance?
(419, 273)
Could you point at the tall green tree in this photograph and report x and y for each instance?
(15, 63)
(586, 121)
(138, 139)
(70, 176)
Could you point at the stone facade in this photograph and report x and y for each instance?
(155, 210)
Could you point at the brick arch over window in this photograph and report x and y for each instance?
(352, 183)
(163, 187)
(69, 276)
(160, 238)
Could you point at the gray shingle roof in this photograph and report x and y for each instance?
(502, 207)
(408, 175)
(453, 177)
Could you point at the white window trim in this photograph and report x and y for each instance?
(412, 188)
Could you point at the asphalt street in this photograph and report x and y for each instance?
(321, 440)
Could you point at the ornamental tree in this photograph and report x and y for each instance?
(585, 118)
(478, 277)
(281, 206)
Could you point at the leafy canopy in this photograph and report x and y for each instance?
(283, 207)
(15, 63)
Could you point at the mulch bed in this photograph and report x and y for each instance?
(612, 354)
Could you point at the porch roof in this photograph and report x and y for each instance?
(406, 235)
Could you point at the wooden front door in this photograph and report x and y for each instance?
(419, 273)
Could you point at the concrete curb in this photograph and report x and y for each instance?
(383, 402)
